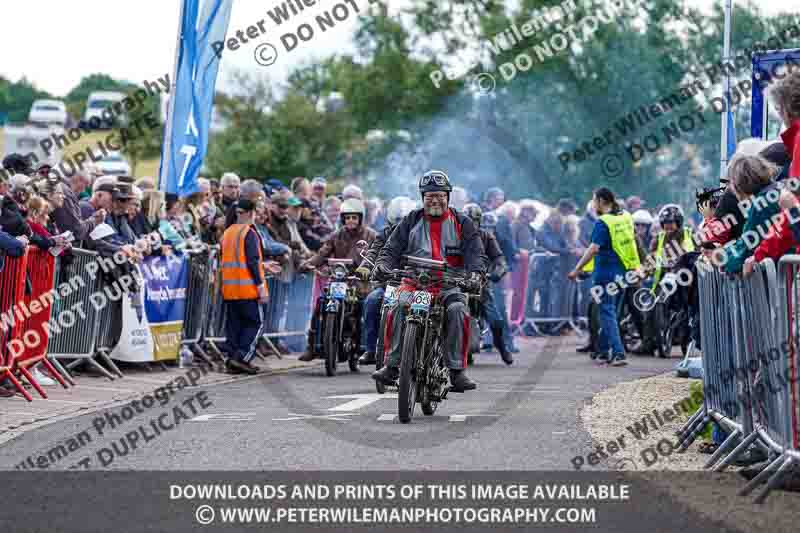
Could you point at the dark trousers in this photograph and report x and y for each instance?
(243, 328)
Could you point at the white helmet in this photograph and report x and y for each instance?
(398, 208)
(352, 191)
(352, 206)
(642, 216)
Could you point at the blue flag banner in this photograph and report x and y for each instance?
(189, 114)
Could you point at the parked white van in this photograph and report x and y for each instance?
(96, 104)
(48, 112)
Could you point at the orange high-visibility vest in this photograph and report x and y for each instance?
(237, 282)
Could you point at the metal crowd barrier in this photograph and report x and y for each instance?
(749, 331)
(540, 298)
(198, 295)
(37, 302)
(88, 338)
(12, 286)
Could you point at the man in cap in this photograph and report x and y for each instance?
(318, 188)
(101, 199)
(244, 288)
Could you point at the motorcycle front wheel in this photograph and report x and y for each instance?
(407, 390)
(330, 345)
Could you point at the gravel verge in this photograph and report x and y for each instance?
(616, 409)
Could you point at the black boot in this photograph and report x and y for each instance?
(387, 375)
(460, 382)
(309, 354)
(497, 338)
(367, 359)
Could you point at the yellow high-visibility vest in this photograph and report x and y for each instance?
(623, 241)
(688, 246)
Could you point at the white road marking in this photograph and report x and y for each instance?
(294, 416)
(359, 400)
(225, 417)
(386, 418)
(463, 418)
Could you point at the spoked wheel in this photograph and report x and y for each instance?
(407, 390)
(430, 401)
(352, 361)
(663, 325)
(330, 345)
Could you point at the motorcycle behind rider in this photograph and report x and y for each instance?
(398, 208)
(672, 242)
(340, 245)
(497, 268)
(440, 233)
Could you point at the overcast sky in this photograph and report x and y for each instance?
(55, 43)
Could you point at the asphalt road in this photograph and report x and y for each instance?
(521, 417)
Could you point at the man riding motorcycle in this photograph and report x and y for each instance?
(672, 242)
(398, 208)
(340, 245)
(440, 233)
(497, 268)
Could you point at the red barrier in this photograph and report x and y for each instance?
(12, 287)
(519, 284)
(36, 304)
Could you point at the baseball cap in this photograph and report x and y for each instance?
(319, 180)
(294, 201)
(245, 205)
(104, 183)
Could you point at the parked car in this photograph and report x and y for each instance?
(48, 112)
(114, 164)
(96, 104)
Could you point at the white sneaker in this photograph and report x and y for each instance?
(44, 380)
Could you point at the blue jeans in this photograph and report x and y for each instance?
(500, 305)
(372, 319)
(609, 328)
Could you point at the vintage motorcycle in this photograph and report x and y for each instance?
(339, 334)
(424, 376)
(668, 305)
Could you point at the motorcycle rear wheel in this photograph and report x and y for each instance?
(407, 389)
(330, 345)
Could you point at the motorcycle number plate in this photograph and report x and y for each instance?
(389, 295)
(421, 301)
(338, 290)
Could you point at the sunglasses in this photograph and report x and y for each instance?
(437, 178)
(282, 206)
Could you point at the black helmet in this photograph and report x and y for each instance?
(671, 213)
(433, 181)
(474, 212)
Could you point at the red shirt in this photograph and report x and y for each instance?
(792, 144)
(779, 241)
